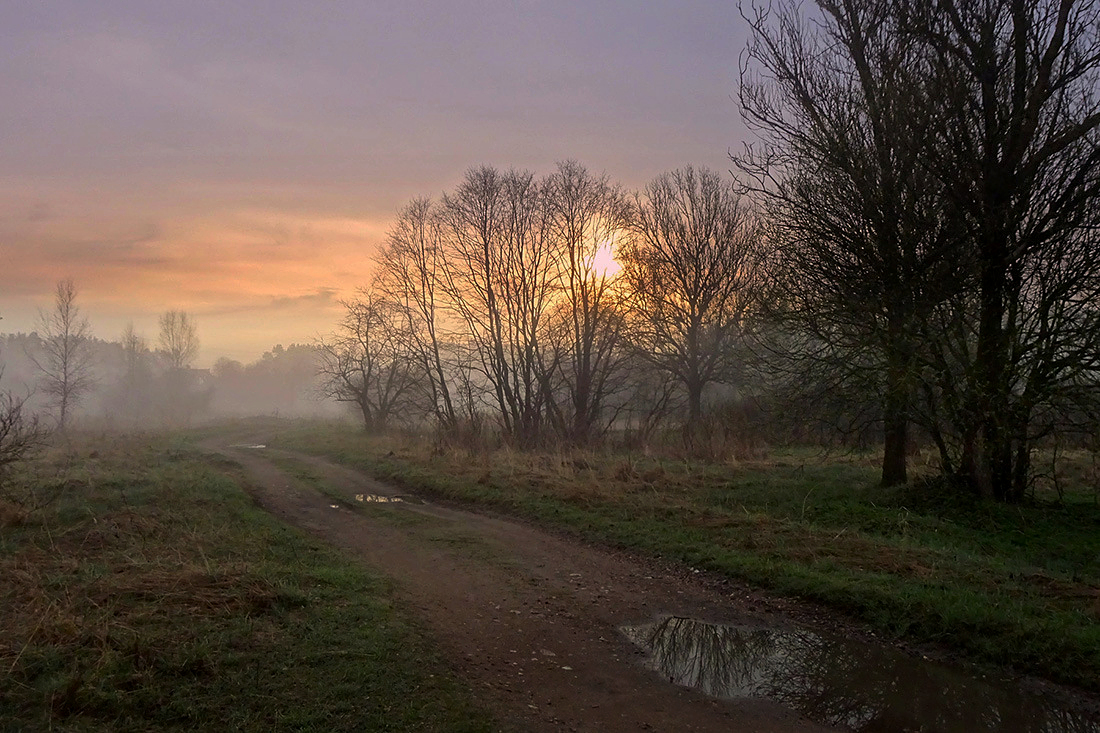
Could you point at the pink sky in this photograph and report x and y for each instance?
(243, 161)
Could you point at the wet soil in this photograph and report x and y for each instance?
(529, 618)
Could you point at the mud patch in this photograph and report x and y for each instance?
(852, 684)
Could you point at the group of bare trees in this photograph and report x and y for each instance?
(929, 171)
(911, 243)
(65, 352)
(500, 300)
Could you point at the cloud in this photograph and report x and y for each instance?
(318, 298)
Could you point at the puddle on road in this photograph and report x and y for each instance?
(851, 684)
(381, 499)
(247, 445)
(378, 498)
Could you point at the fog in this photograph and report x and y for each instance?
(140, 391)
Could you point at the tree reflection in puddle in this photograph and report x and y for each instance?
(861, 686)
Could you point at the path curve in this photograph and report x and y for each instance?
(528, 618)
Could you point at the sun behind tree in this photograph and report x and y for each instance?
(604, 262)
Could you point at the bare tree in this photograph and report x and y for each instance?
(183, 392)
(367, 361)
(690, 268)
(410, 273)
(21, 435)
(135, 351)
(1013, 89)
(588, 217)
(179, 340)
(134, 391)
(66, 362)
(938, 174)
(862, 249)
(501, 275)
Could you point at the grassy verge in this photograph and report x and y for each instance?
(1010, 585)
(150, 593)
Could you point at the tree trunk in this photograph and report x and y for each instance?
(693, 425)
(582, 409)
(895, 413)
(368, 417)
(1020, 471)
(896, 445)
(993, 465)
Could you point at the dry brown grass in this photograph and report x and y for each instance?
(98, 600)
(12, 514)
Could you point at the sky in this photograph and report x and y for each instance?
(243, 160)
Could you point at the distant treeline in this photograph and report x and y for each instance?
(135, 386)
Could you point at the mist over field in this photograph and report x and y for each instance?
(491, 365)
(123, 395)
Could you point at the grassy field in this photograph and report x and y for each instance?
(1018, 586)
(149, 593)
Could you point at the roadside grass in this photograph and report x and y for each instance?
(1011, 585)
(152, 594)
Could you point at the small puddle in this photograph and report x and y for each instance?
(246, 445)
(381, 499)
(842, 682)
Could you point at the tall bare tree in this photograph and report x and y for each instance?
(939, 170)
(1013, 89)
(411, 267)
(182, 394)
(178, 340)
(67, 360)
(134, 391)
(588, 216)
(862, 249)
(690, 268)
(502, 273)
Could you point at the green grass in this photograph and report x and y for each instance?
(152, 594)
(433, 529)
(1018, 586)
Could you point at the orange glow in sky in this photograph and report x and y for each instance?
(243, 161)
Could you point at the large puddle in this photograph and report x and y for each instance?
(842, 682)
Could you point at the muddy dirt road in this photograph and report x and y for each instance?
(528, 618)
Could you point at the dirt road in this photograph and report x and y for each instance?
(528, 618)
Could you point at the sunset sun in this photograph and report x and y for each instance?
(604, 262)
